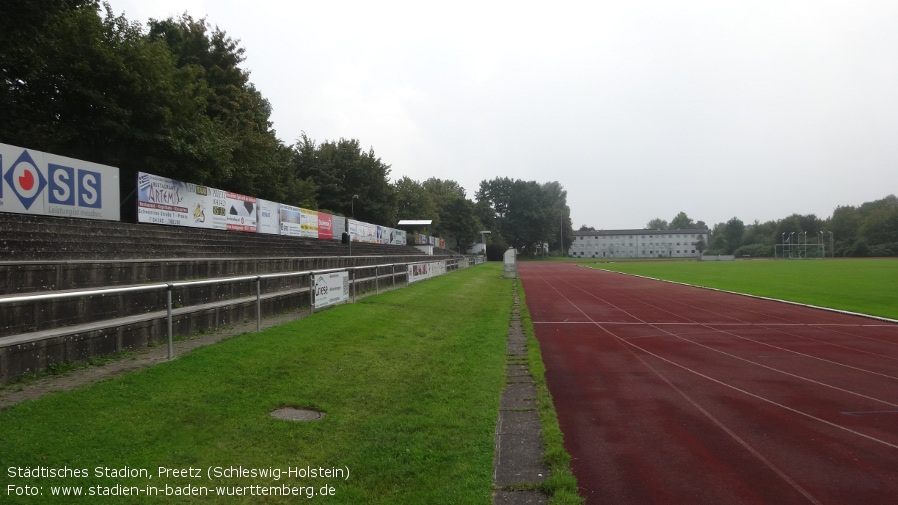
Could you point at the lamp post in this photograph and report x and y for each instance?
(791, 242)
(832, 247)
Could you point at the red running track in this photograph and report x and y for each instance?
(672, 394)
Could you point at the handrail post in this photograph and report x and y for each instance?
(311, 293)
(258, 303)
(393, 273)
(376, 280)
(353, 285)
(171, 351)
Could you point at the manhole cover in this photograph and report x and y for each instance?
(295, 414)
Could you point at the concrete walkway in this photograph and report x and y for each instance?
(519, 466)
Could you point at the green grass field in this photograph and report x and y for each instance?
(867, 286)
(409, 380)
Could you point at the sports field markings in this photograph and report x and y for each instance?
(772, 325)
(840, 346)
(759, 397)
(757, 297)
(730, 386)
(739, 440)
(710, 325)
(870, 412)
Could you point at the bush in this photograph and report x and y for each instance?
(754, 251)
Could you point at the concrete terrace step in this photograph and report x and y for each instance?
(25, 237)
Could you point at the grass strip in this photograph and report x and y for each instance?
(409, 382)
(866, 286)
(561, 485)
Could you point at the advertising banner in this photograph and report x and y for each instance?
(368, 233)
(309, 223)
(241, 212)
(291, 220)
(353, 230)
(33, 182)
(331, 288)
(422, 271)
(339, 227)
(268, 217)
(161, 200)
(325, 226)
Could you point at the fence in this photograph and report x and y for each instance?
(358, 276)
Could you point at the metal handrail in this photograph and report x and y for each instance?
(170, 286)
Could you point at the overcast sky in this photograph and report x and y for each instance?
(640, 109)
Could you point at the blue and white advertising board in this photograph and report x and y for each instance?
(34, 182)
(331, 288)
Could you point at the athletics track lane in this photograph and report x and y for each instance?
(672, 394)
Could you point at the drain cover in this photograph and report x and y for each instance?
(295, 414)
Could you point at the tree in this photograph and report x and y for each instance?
(414, 202)
(681, 222)
(760, 233)
(456, 215)
(880, 226)
(458, 220)
(496, 194)
(656, 224)
(98, 89)
(845, 222)
(340, 169)
(733, 232)
(254, 165)
(560, 228)
(528, 215)
(700, 245)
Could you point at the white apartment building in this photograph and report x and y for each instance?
(638, 243)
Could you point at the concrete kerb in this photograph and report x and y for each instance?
(518, 462)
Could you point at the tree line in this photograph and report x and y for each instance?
(171, 98)
(870, 229)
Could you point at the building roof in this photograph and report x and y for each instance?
(415, 222)
(610, 233)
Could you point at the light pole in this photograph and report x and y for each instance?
(791, 242)
(832, 247)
